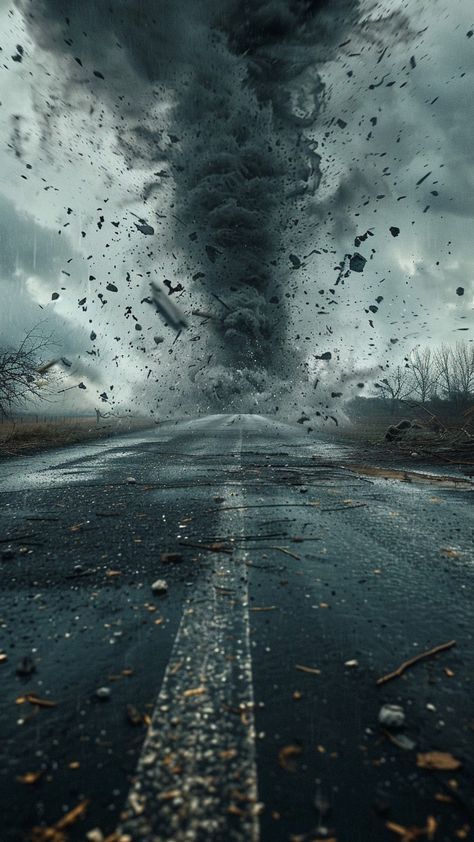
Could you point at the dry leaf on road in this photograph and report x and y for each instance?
(442, 760)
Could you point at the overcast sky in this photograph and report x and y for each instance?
(395, 139)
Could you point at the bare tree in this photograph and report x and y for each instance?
(446, 374)
(424, 372)
(463, 367)
(22, 371)
(397, 386)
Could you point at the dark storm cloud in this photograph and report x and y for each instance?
(241, 79)
(29, 250)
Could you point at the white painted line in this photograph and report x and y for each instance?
(197, 776)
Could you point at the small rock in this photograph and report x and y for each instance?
(95, 835)
(391, 716)
(404, 742)
(103, 693)
(353, 663)
(131, 480)
(160, 586)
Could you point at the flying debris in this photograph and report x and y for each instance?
(144, 228)
(167, 308)
(357, 262)
(46, 366)
(326, 356)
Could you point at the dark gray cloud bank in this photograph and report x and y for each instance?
(258, 142)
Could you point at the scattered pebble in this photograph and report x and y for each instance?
(160, 586)
(103, 693)
(392, 716)
(95, 835)
(352, 663)
(131, 480)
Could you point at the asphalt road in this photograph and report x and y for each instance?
(241, 704)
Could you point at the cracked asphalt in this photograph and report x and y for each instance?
(241, 704)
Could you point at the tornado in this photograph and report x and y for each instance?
(222, 97)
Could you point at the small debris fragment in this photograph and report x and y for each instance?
(160, 586)
(401, 741)
(357, 262)
(171, 558)
(441, 760)
(95, 835)
(103, 693)
(287, 756)
(311, 670)
(352, 663)
(391, 716)
(29, 778)
(131, 480)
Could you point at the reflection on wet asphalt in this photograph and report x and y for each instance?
(253, 678)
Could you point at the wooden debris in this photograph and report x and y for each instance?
(411, 834)
(264, 608)
(287, 552)
(311, 670)
(195, 691)
(411, 661)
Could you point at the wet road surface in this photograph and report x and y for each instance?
(241, 704)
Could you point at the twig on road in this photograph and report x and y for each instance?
(411, 661)
(212, 548)
(287, 552)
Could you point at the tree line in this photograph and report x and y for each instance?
(428, 375)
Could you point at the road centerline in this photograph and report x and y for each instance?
(196, 776)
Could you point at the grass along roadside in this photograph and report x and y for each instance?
(25, 435)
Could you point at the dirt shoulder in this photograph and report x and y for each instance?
(450, 453)
(20, 437)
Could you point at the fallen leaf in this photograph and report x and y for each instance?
(442, 760)
(287, 755)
